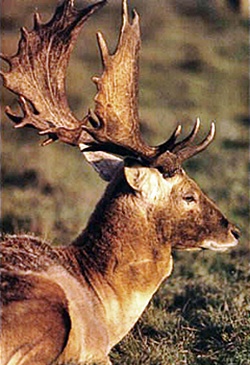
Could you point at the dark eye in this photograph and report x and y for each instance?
(189, 198)
(170, 173)
(165, 175)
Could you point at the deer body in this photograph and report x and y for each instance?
(75, 303)
(103, 281)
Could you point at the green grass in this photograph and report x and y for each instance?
(194, 62)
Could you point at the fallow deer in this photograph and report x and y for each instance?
(74, 303)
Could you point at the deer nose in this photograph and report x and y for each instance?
(235, 232)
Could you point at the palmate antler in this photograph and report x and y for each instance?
(37, 72)
(37, 75)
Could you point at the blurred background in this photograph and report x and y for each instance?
(194, 63)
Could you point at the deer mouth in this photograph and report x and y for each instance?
(215, 246)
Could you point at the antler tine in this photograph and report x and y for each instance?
(190, 151)
(189, 139)
(170, 143)
(103, 51)
(125, 11)
(37, 20)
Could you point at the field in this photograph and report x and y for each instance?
(194, 62)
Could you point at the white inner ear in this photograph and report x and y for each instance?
(104, 163)
(145, 180)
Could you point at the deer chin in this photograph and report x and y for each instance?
(215, 246)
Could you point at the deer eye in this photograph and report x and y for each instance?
(189, 198)
(168, 174)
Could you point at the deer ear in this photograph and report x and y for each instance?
(135, 177)
(104, 163)
(140, 178)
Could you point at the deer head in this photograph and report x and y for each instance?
(109, 136)
(184, 215)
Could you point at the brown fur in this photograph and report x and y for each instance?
(35, 321)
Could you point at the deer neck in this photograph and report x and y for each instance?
(122, 254)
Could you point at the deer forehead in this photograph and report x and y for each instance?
(156, 187)
(172, 188)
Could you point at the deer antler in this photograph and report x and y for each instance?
(115, 119)
(37, 73)
(169, 159)
(117, 98)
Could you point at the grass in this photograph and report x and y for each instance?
(194, 62)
